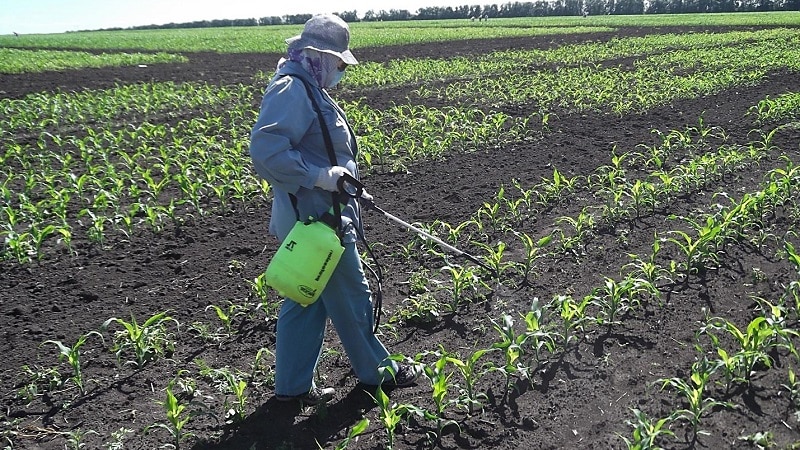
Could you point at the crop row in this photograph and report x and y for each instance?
(653, 81)
(29, 61)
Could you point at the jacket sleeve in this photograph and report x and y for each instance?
(285, 116)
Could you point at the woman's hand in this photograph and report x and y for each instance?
(328, 177)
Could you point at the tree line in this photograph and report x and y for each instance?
(539, 8)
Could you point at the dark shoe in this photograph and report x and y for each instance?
(406, 376)
(315, 396)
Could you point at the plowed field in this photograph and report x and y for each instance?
(581, 395)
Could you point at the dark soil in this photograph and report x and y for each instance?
(578, 399)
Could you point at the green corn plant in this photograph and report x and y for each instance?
(532, 249)
(227, 315)
(390, 415)
(616, 298)
(557, 189)
(537, 336)
(471, 372)
(614, 209)
(73, 357)
(755, 343)
(492, 213)
(648, 269)
(259, 287)
(583, 226)
(463, 281)
(511, 345)
(146, 341)
(237, 411)
(494, 257)
(177, 418)
(440, 385)
(39, 235)
(455, 233)
(698, 252)
(358, 429)
(693, 393)
(573, 317)
(642, 195)
(646, 431)
(793, 387)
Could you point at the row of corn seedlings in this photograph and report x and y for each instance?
(622, 198)
(27, 61)
(51, 112)
(653, 81)
(137, 344)
(412, 71)
(552, 328)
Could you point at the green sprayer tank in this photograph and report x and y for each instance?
(303, 264)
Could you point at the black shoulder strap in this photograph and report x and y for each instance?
(326, 136)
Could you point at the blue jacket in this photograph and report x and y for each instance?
(288, 150)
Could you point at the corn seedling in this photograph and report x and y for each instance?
(440, 385)
(532, 249)
(390, 415)
(237, 411)
(73, 357)
(494, 257)
(471, 372)
(358, 429)
(616, 298)
(582, 227)
(698, 252)
(693, 393)
(755, 343)
(261, 372)
(463, 281)
(792, 386)
(511, 345)
(538, 337)
(646, 431)
(177, 418)
(146, 341)
(227, 315)
(649, 269)
(573, 317)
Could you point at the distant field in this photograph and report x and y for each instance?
(375, 34)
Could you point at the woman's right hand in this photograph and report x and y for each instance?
(328, 177)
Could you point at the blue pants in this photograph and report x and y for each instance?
(347, 301)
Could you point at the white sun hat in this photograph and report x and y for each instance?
(326, 33)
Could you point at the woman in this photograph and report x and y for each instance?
(288, 150)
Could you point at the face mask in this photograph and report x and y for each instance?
(334, 78)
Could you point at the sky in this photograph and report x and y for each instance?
(58, 16)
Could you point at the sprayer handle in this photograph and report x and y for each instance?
(349, 186)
